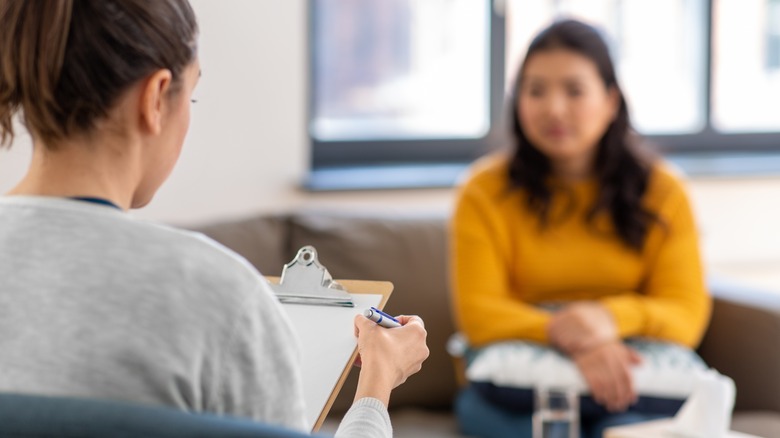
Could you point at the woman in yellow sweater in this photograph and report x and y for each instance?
(576, 240)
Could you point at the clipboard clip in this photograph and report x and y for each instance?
(305, 281)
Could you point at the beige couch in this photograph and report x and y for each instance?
(410, 251)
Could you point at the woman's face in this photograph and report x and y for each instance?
(564, 106)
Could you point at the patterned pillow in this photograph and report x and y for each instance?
(507, 373)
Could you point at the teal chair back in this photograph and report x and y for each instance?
(32, 416)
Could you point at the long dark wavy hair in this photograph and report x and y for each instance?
(621, 169)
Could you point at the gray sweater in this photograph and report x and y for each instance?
(96, 304)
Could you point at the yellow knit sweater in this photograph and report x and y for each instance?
(504, 263)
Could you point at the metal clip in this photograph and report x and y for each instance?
(305, 281)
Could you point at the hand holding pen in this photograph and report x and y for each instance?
(387, 357)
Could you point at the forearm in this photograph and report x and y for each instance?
(581, 326)
(489, 320)
(675, 319)
(374, 383)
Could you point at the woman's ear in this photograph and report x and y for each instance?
(153, 94)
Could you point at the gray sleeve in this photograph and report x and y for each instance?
(258, 375)
(367, 418)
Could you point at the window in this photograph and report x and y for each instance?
(414, 84)
(420, 83)
(401, 69)
(745, 69)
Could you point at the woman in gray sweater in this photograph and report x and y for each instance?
(96, 304)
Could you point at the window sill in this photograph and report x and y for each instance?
(390, 177)
(423, 176)
(722, 164)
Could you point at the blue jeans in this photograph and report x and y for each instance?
(479, 418)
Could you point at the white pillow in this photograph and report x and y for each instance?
(667, 370)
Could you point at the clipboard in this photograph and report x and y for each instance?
(325, 330)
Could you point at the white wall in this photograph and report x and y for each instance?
(246, 150)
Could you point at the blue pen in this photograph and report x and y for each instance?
(381, 318)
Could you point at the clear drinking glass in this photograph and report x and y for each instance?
(556, 413)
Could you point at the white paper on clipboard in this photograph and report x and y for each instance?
(325, 325)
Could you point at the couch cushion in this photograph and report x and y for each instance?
(261, 240)
(408, 251)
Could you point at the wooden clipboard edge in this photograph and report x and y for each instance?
(384, 288)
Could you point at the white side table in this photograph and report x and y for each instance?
(654, 429)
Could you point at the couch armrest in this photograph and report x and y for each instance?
(741, 342)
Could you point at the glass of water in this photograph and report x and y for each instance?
(556, 413)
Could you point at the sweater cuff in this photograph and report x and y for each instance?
(373, 403)
(628, 312)
(367, 418)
